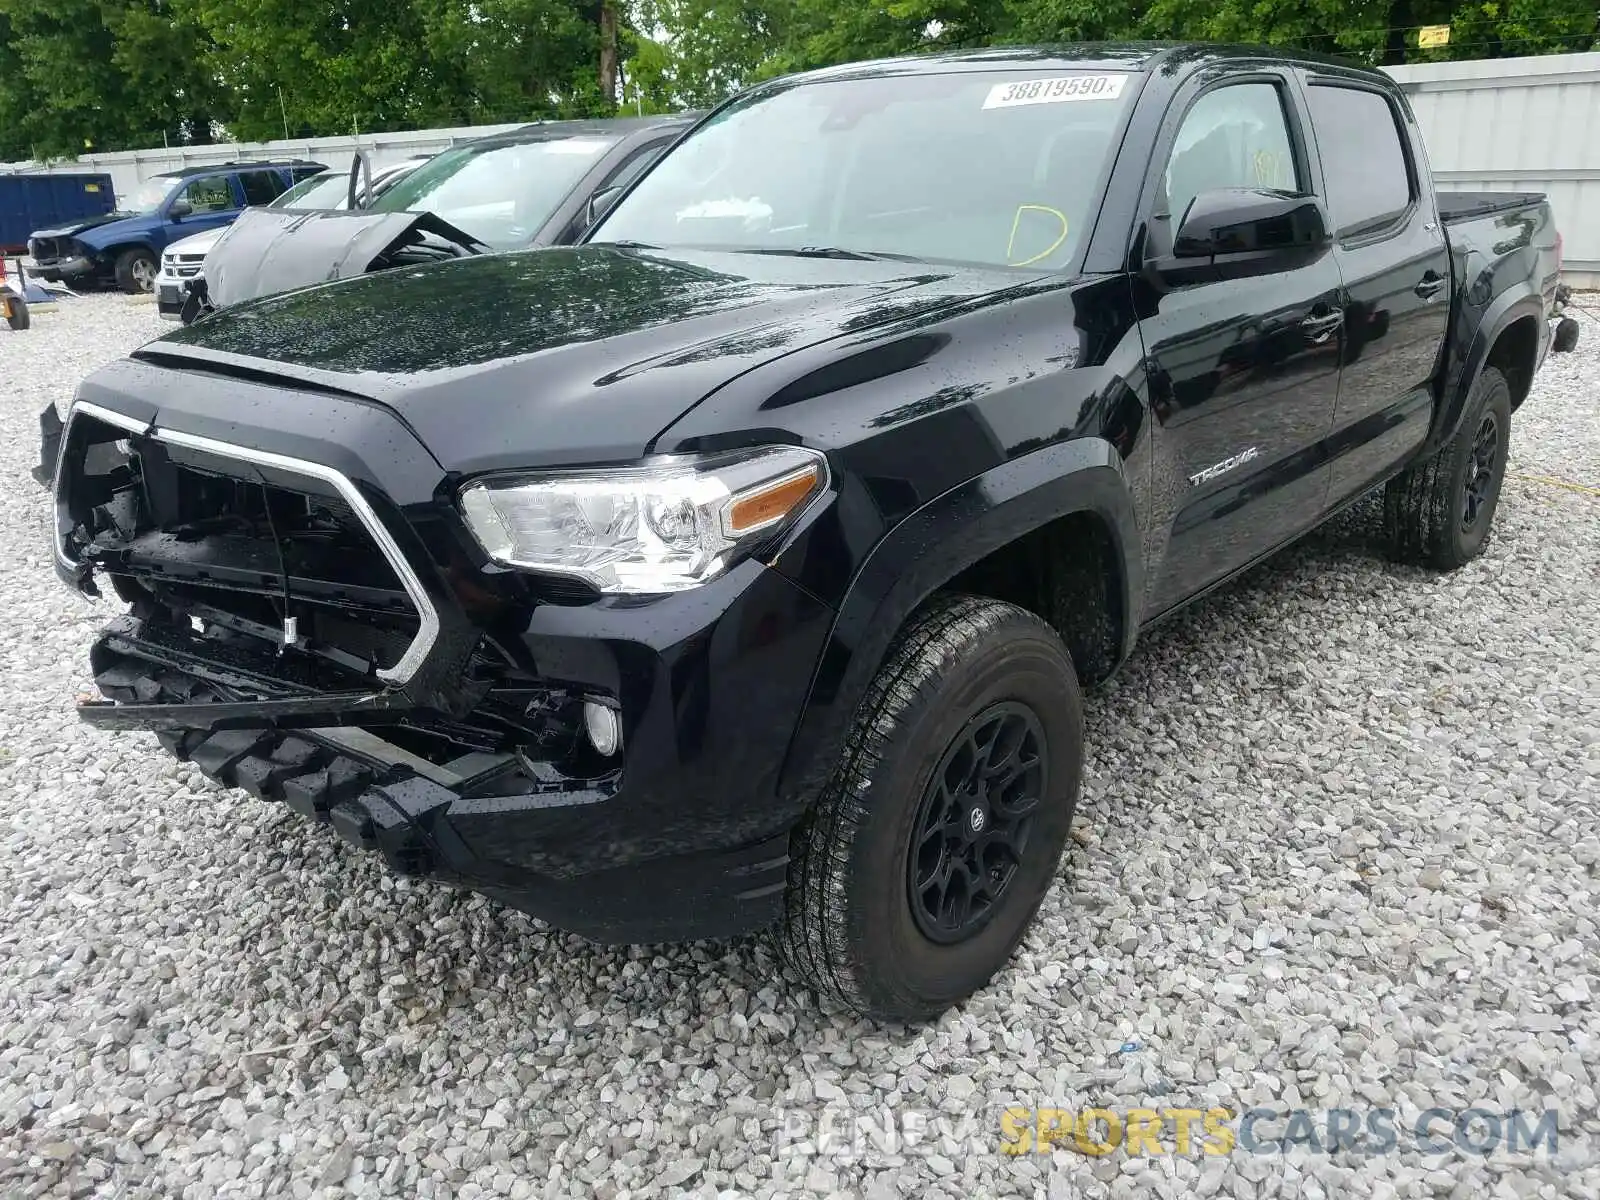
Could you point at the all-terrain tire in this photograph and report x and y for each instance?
(854, 925)
(1438, 511)
(136, 271)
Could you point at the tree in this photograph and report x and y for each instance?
(519, 60)
(116, 74)
(1376, 31)
(19, 101)
(165, 57)
(711, 47)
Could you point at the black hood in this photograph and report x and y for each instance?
(568, 355)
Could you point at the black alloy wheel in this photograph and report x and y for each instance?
(1481, 470)
(941, 827)
(973, 827)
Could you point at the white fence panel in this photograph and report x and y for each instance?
(1519, 125)
(129, 168)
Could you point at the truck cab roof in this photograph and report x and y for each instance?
(222, 168)
(1178, 57)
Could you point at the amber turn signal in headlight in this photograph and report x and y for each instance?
(661, 526)
(754, 510)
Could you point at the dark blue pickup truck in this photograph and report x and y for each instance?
(124, 246)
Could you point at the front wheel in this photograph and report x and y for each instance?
(922, 864)
(1438, 512)
(136, 271)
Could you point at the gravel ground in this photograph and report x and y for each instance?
(1339, 849)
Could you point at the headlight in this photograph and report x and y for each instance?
(653, 528)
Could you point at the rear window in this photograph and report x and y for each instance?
(987, 167)
(1363, 162)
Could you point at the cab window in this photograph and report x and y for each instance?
(1232, 137)
(1369, 181)
(209, 195)
(635, 164)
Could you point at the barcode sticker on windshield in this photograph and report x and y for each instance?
(1055, 91)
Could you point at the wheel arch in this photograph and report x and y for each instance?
(1515, 354)
(117, 249)
(1509, 338)
(1072, 495)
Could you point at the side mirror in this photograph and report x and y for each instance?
(599, 203)
(1236, 233)
(180, 209)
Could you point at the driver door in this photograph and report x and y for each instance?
(1244, 373)
(212, 201)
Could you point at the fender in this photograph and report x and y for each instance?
(1510, 306)
(934, 544)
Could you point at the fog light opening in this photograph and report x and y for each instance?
(604, 727)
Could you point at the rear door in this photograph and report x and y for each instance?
(1243, 373)
(1395, 262)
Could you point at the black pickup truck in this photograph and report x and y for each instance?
(742, 566)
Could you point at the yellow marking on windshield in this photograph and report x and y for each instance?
(1016, 221)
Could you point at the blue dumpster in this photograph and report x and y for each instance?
(29, 202)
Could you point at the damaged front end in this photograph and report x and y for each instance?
(279, 638)
(277, 250)
(44, 471)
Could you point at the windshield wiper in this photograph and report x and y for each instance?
(831, 252)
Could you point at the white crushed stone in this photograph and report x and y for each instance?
(1339, 848)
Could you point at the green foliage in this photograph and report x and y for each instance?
(115, 74)
(711, 47)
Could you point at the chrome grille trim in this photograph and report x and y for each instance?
(428, 630)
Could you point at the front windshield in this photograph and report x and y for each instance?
(500, 194)
(994, 167)
(327, 190)
(147, 197)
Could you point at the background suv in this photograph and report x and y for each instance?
(124, 246)
(182, 260)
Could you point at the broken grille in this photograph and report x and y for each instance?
(264, 545)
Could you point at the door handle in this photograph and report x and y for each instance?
(1431, 285)
(1320, 329)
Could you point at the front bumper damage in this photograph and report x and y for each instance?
(454, 750)
(75, 267)
(44, 471)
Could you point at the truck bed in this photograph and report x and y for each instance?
(1455, 207)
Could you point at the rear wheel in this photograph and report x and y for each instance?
(136, 271)
(1438, 512)
(933, 844)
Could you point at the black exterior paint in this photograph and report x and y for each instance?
(960, 409)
